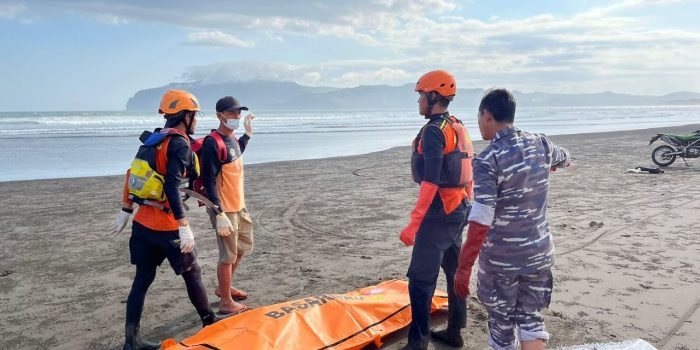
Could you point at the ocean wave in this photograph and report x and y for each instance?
(11, 122)
(570, 120)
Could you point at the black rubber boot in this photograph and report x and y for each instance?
(134, 341)
(449, 336)
(414, 347)
(420, 345)
(210, 319)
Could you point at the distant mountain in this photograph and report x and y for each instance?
(685, 102)
(251, 93)
(681, 95)
(274, 95)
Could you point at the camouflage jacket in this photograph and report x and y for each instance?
(511, 179)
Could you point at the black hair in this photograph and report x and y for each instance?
(443, 102)
(501, 104)
(436, 99)
(172, 120)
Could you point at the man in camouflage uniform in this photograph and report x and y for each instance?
(508, 226)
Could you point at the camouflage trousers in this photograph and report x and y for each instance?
(514, 302)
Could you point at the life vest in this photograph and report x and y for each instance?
(198, 184)
(147, 172)
(155, 214)
(457, 156)
(229, 181)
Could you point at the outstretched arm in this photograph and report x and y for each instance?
(559, 156)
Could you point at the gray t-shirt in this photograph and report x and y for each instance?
(511, 178)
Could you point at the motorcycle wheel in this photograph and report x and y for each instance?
(660, 155)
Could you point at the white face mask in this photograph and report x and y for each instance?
(232, 123)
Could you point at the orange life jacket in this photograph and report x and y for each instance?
(149, 216)
(456, 177)
(229, 181)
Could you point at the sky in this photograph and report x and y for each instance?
(94, 55)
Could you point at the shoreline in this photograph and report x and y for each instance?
(207, 111)
(627, 252)
(675, 129)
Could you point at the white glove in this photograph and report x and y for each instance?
(223, 225)
(120, 222)
(186, 239)
(248, 123)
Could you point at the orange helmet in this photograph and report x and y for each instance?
(174, 101)
(440, 81)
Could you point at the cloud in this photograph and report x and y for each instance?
(373, 77)
(625, 5)
(341, 74)
(603, 43)
(245, 11)
(216, 39)
(110, 19)
(403, 26)
(11, 10)
(361, 20)
(251, 70)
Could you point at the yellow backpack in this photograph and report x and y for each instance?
(145, 182)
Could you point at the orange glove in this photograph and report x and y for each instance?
(476, 235)
(567, 164)
(425, 198)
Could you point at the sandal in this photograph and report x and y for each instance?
(236, 294)
(234, 309)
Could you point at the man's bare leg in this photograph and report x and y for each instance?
(227, 304)
(532, 345)
(223, 273)
(233, 269)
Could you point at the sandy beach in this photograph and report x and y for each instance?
(627, 261)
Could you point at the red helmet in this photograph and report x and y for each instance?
(440, 81)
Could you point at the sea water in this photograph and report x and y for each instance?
(41, 145)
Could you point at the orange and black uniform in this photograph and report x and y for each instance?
(439, 236)
(173, 158)
(155, 236)
(223, 180)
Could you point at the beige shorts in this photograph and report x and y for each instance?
(240, 241)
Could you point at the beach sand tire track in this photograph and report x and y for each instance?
(677, 326)
(359, 172)
(606, 232)
(288, 218)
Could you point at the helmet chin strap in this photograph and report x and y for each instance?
(431, 102)
(188, 126)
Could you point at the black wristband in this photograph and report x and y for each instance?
(127, 210)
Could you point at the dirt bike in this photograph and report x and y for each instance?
(684, 146)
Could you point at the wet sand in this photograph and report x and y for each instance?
(627, 266)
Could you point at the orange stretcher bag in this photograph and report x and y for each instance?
(331, 321)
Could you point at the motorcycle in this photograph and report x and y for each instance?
(684, 146)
